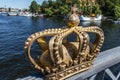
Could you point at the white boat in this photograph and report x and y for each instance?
(27, 14)
(116, 22)
(90, 23)
(12, 13)
(94, 15)
(3, 13)
(88, 18)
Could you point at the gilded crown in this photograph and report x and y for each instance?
(61, 59)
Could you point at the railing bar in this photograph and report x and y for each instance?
(100, 75)
(92, 78)
(110, 74)
(105, 60)
(118, 75)
(103, 76)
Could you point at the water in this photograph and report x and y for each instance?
(15, 30)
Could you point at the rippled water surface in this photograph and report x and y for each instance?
(14, 31)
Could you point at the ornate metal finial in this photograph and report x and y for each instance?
(61, 59)
(73, 19)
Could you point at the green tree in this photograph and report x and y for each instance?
(57, 7)
(43, 6)
(101, 3)
(110, 7)
(64, 9)
(117, 11)
(49, 11)
(25, 10)
(97, 9)
(34, 7)
(61, 7)
(50, 3)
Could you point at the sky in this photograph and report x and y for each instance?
(21, 4)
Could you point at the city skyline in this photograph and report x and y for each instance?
(20, 4)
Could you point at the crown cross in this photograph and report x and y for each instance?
(74, 8)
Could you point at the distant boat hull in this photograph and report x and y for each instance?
(12, 14)
(88, 23)
(27, 14)
(3, 13)
(85, 18)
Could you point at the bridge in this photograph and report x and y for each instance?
(105, 67)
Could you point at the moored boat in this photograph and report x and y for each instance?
(90, 11)
(89, 18)
(12, 13)
(28, 14)
(3, 13)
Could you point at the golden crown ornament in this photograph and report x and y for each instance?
(61, 59)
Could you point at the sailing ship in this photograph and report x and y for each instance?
(90, 11)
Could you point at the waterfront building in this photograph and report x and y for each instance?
(13, 9)
(2, 9)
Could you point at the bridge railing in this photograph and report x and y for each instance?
(106, 64)
(102, 65)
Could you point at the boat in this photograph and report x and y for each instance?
(90, 12)
(116, 22)
(3, 13)
(27, 14)
(12, 13)
(90, 23)
(90, 18)
(40, 15)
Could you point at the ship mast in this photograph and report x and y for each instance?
(92, 1)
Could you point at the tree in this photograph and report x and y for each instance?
(117, 11)
(34, 7)
(64, 9)
(101, 3)
(50, 3)
(97, 9)
(44, 4)
(110, 7)
(49, 11)
(57, 7)
(25, 10)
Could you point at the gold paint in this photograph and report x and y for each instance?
(73, 19)
(43, 43)
(61, 59)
